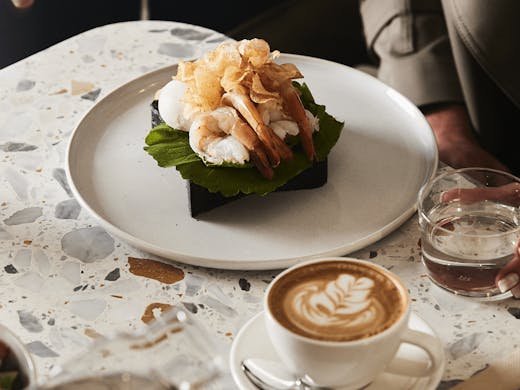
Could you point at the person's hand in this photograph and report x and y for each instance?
(22, 3)
(508, 278)
(457, 146)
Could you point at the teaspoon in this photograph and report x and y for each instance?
(270, 375)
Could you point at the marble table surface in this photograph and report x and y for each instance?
(57, 299)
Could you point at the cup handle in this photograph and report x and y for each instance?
(408, 367)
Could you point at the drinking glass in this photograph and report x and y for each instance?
(470, 223)
(173, 353)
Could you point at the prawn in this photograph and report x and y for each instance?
(222, 136)
(275, 147)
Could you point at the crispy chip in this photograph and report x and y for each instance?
(234, 66)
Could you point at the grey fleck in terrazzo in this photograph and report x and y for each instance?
(190, 34)
(22, 259)
(41, 350)
(10, 269)
(88, 244)
(67, 209)
(193, 284)
(92, 95)
(218, 39)
(122, 287)
(176, 49)
(244, 284)
(215, 290)
(218, 306)
(466, 345)
(29, 321)
(18, 183)
(88, 59)
(88, 309)
(191, 307)
(25, 85)
(71, 271)
(113, 275)
(59, 175)
(4, 235)
(42, 261)
(30, 281)
(17, 147)
(28, 215)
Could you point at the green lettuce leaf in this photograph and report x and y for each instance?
(170, 147)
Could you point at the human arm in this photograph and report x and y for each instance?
(410, 41)
(455, 139)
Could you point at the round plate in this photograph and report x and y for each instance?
(252, 341)
(386, 152)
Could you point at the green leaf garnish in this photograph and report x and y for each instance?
(170, 147)
(7, 379)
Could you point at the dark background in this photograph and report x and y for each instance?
(329, 29)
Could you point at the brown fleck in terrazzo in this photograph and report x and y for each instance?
(164, 273)
(80, 87)
(60, 92)
(148, 317)
(92, 333)
(149, 344)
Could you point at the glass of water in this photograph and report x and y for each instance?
(470, 223)
(173, 353)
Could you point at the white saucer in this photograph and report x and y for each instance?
(253, 342)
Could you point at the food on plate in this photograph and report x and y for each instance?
(235, 122)
(9, 372)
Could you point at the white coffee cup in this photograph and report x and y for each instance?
(354, 363)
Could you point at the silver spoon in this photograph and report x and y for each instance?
(271, 375)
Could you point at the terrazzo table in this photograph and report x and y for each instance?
(64, 280)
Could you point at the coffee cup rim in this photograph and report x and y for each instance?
(401, 287)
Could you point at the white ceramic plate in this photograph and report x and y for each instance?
(252, 341)
(385, 153)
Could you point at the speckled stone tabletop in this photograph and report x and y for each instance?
(64, 281)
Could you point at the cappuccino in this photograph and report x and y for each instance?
(337, 300)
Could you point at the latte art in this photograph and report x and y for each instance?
(345, 302)
(336, 301)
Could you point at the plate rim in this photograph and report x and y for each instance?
(222, 263)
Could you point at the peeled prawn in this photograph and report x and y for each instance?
(221, 136)
(276, 149)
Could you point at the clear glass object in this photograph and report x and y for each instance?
(470, 223)
(174, 352)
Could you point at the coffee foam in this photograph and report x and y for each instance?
(336, 301)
